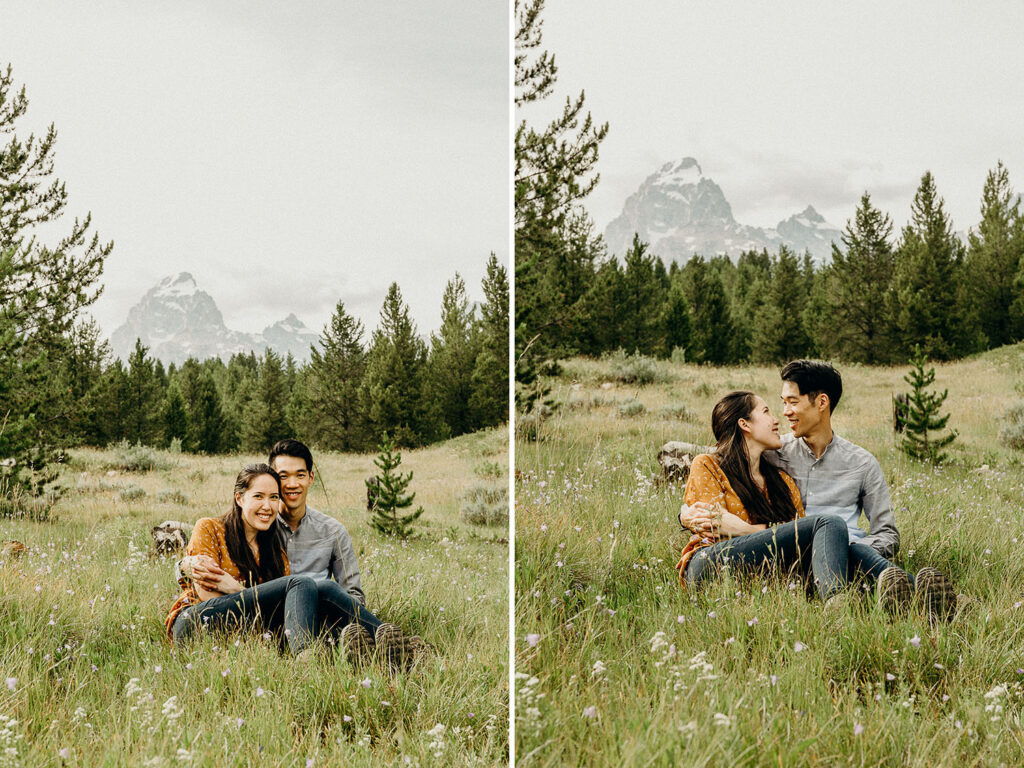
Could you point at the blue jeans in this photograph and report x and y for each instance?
(820, 543)
(288, 603)
(865, 561)
(302, 606)
(336, 608)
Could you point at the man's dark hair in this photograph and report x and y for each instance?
(814, 377)
(290, 447)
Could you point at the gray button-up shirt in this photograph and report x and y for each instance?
(321, 547)
(845, 480)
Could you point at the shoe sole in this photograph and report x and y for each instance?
(936, 594)
(357, 644)
(895, 594)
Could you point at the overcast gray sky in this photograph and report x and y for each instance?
(288, 155)
(794, 103)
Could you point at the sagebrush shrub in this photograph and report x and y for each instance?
(485, 505)
(137, 458)
(632, 369)
(632, 409)
(132, 493)
(1011, 426)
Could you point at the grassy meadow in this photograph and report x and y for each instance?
(618, 665)
(90, 678)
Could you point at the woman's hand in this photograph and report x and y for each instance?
(732, 525)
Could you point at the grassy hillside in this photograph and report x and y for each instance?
(91, 678)
(617, 665)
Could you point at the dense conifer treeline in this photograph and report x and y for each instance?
(877, 298)
(344, 398)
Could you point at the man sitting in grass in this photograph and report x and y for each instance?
(837, 477)
(319, 546)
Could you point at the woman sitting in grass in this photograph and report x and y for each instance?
(253, 587)
(753, 518)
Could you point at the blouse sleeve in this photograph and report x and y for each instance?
(794, 493)
(204, 540)
(705, 483)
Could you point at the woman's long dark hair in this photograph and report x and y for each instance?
(269, 542)
(734, 460)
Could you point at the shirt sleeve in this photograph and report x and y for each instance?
(344, 567)
(876, 503)
(704, 483)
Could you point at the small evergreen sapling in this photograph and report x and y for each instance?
(388, 490)
(921, 415)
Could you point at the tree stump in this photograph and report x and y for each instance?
(675, 458)
(899, 408)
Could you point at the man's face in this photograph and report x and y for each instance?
(296, 481)
(800, 411)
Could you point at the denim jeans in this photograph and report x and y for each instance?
(302, 606)
(289, 602)
(820, 543)
(336, 608)
(865, 561)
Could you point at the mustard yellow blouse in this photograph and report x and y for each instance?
(708, 483)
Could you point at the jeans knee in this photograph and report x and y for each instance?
(302, 583)
(832, 524)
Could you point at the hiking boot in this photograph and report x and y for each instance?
(894, 591)
(935, 593)
(356, 643)
(400, 651)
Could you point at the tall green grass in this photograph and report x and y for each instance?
(90, 678)
(618, 665)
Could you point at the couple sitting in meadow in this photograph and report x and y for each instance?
(275, 564)
(745, 503)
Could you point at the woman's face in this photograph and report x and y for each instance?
(760, 427)
(260, 504)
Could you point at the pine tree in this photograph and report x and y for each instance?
(43, 288)
(174, 417)
(334, 377)
(264, 418)
(206, 422)
(392, 391)
(555, 247)
(489, 401)
(921, 414)
(850, 316)
(994, 259)
(676, 328)
(931, 309)
(453, 352)
(388, 488)
(712, 324)
(143, 395)
(778, 334)
(644, 291)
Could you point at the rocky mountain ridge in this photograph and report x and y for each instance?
(178, 320)
(680, 212)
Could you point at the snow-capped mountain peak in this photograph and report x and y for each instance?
(680, 212)
(177, 320)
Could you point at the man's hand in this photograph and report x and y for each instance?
(700, 518)
(210, 577)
